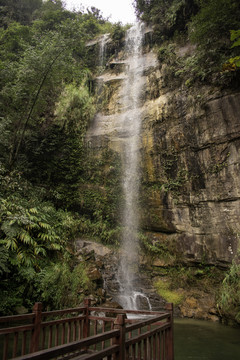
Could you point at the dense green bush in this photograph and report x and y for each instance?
(229, 297)
(206, 23)
(166, 16)
(62, 285)
(46, 105)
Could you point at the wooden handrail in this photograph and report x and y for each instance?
(67, 348)
(62, 321)
(55, 337)
(16, 329)
(103, 318)
(62, 312)
(146, 322)
(102, 353)
(121, 311)
(146, 335)
(16, 318)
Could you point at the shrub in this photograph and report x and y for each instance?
(163, 289)
(229, 297)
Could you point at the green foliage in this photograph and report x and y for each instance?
(209, 29)
(33, 234)
(233, 63)
(46, 106)
(168, 16)
(36, 75)
(75, 108)
(100, 197)
(211, 26)
(156, 250)
(207, 24)
(4, 255)
(57, 156)
(51, 14)
(57, 285)
(13, 40)
(235, 36)
(61, 285)
(21, 11)
(163, 288)
(28, 232)
(41, 66)
(229, 297)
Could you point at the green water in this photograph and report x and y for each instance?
(203, 340)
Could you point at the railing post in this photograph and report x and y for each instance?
(86, 328)
(37, 310)
(120, 324)
(169, 340)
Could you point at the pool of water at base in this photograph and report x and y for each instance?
(205, 340)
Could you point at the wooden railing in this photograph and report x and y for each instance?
(88, 333)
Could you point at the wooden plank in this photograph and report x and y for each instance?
(154, 344)
(76, 345)
(64, 311)
(103, 330)
(16, 318)
(127, 351)
(80, 329)
(102, 353)
(50, 337)
(73, 356)
(134, 351)
(15, 344)
(145, 349)
(63, 334)
(74, 331)
(163, 345)
(158, 347)
(24, 341)
(43, 338)
(16, 329)
(69, 333)
(149, 345)
(146, 323)
(103, 318)
(62, 321)
(56, 334)
(123, 311)
(144, 336)
(5, 347)
(136, 326)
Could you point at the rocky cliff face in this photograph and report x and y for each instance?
(190, 188)
(190, 160)
(191, 171)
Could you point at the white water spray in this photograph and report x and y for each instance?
(131, 127)
(102, 48)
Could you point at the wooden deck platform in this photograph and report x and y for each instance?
(88, 333)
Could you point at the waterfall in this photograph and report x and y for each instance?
(131, 128)
(102, 49)
(101, 62)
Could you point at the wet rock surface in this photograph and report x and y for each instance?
(102, 261)
(190, 184)
(189, 160)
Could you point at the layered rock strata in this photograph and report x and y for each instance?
(189, 160)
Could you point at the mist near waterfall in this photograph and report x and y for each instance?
(131, 128)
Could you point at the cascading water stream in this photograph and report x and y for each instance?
(101, 62)
(120, 127)
(102, 50)
(131, 128)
